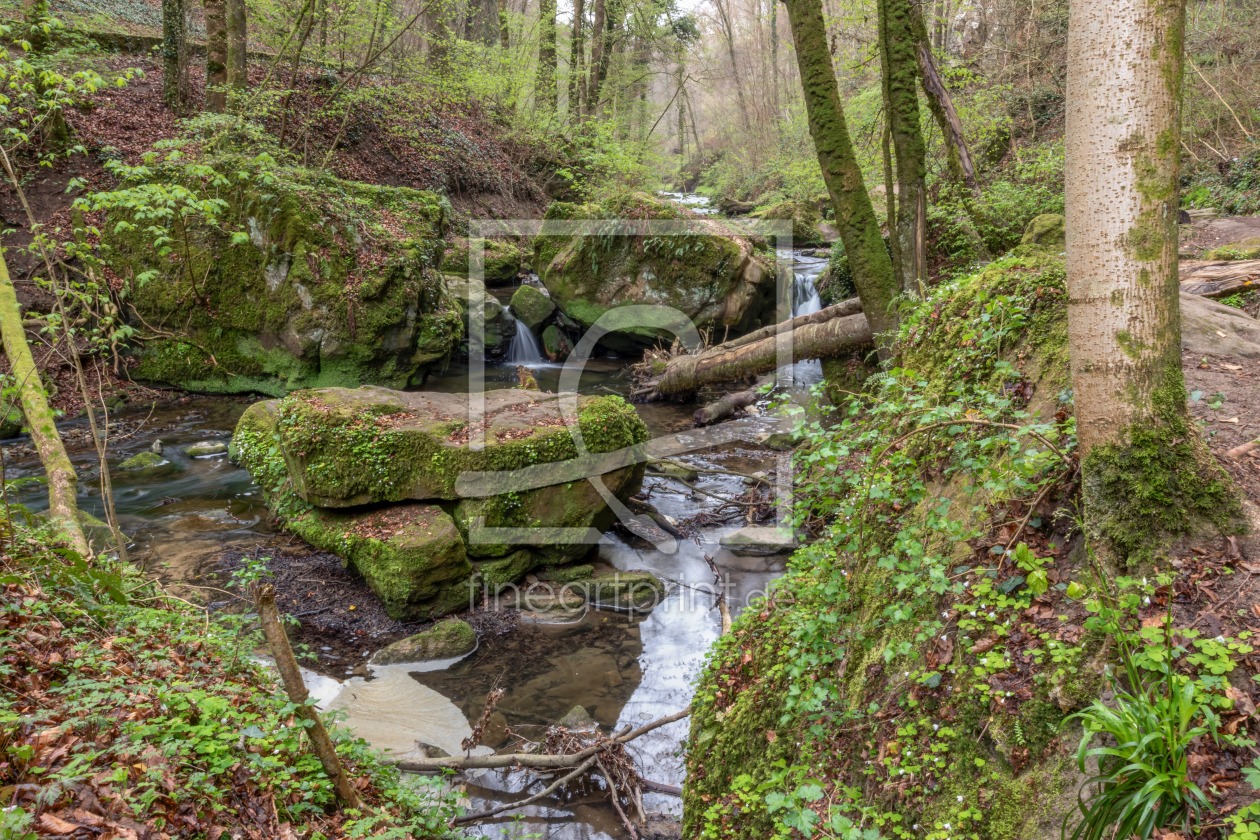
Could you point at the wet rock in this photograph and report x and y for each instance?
(1048, 231)
(495, 574)
(410, 555)
(783, 441)
(759, 540)
(566, 575)
(672, 469)
(446, 640)
(501, 263)
(205, 448)
(142, 461)
(11, 419)
(627, 591)
(722, 281)
(430, 751)
(661, 827)
(556, 344)
(323, 292)
(578, 719)
(802, 214)
(531, 306)
(156, 447)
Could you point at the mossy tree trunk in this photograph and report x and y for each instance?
(901, 96)
(576, 54)
(855, 217)
(546, 96)
(1147, 473)
(961, 165)
(505, 33)
(599, 39)
(238, 46)
(174, 54)
(216, 55)
(63, 507)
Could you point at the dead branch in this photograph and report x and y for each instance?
(508, 806)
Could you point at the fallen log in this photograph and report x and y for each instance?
(724, 407)
(851, 306)
(426, 765)
(685, 375)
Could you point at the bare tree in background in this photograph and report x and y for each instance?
(216, 55)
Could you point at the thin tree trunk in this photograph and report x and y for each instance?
(63, 506)
(961, 166)
(216, 54)
(546, 95)
(1147, 473)
(505, 35)
(900, 73)
(599, 39)
(291, 675)
(855, 218)
(576, 54)
(174, 54)
(729, 34)
(238, 47)
(774, 66)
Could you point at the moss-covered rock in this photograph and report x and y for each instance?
(555, 343)
(206, 448)
(1047, 231)
(298, 280)
(339, 447)
(502, 261)
(11, 419)
(804, 218)
(636, 591)
(408, 554)
(713, 275)
(142, 461)
(531, 306)
(445, 640)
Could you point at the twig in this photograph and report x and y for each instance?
(616, 795)
(1218, 96)
(509, 806)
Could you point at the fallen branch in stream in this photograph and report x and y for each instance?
(475, 762)
(508, 806)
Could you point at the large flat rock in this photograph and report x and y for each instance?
(339, 447)
(1212, 328)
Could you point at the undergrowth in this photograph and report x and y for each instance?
(126, 710)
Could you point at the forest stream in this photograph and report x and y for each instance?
(624, 670)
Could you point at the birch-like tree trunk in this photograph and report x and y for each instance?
(855, 217)
(1147, 473)
(216, 55)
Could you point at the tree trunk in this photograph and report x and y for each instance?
(961, 166)
(900, 73)
(774, 66)
(63, 507)
(505, 34)
(238, 47)
(216, 55)
(174, 54)
(687, 374)
(855, 218)
(546, 96)
(1147, 473)
(576, 54)
(598, 40)
(291, 676)
(729, 32)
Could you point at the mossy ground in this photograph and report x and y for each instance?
(870, 672)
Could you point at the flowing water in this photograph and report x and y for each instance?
(624, 670)
(525, 348)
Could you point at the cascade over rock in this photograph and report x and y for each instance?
(721, 280)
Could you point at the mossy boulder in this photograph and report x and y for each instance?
(142, 461)
(339, 447)
(408, 554)
(626, 591)
(556, 343)
(445, 640)
(1047, 231)
(497, 330)
(804, 218)
(531, 306)
(299, 279)
(501, 265)
(715, 276)
(206, 448)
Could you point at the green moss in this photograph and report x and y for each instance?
(1047, 231)
(804, 218)
(300, 280)
(1159, 482)
(142, 461)
(446, 640)
(531, 306)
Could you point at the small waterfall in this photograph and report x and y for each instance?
(805, 299)
(525, 348)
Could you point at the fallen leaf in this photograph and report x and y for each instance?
(1221, 334)
(1255, 609)
(1228, 366)
(1243, 703)
(1230, 420)
(942, 652)
(770, 736)
(984, 645)
(56, 825)
(85, 818)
